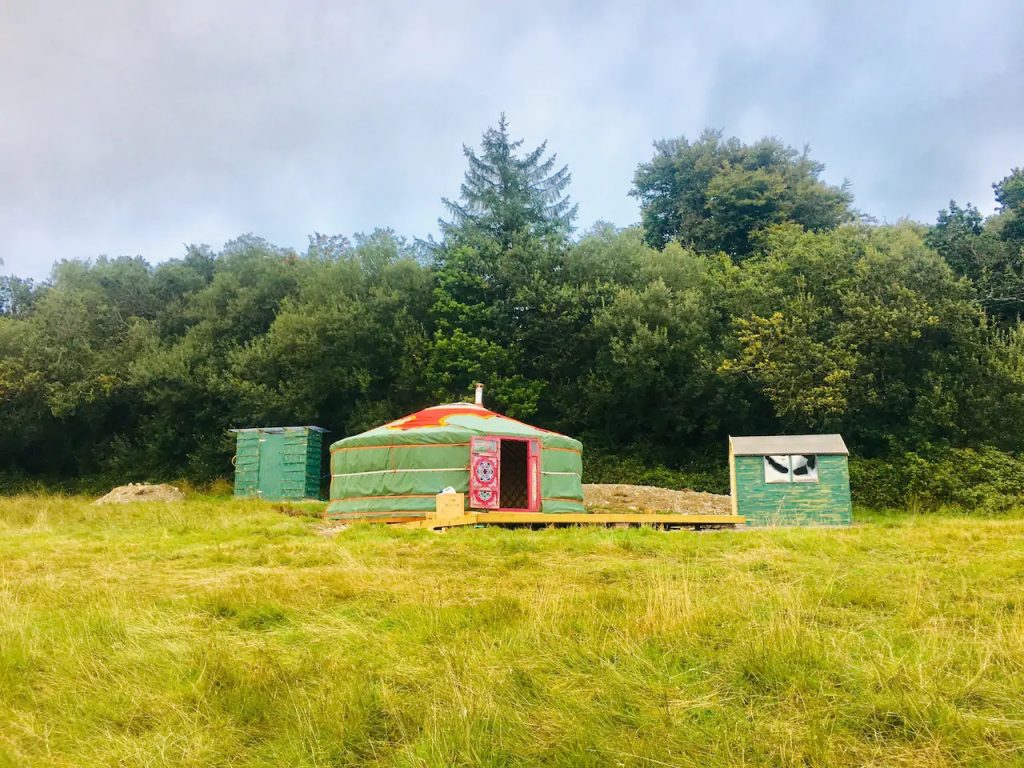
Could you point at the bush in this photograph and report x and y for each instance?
(972, 478)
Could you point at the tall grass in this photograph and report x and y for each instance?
(216, 633)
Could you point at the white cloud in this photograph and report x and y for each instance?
(133, 127)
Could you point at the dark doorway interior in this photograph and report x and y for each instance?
(513, 492)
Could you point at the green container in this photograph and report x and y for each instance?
(278, 463)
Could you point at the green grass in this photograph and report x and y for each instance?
(217, 633)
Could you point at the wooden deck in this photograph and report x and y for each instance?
(435, 522)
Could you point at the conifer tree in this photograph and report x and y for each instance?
(507, 195)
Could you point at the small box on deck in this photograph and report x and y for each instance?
(450, 505)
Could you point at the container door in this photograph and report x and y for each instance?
(484, 472)
(271, 465)
(534, 476)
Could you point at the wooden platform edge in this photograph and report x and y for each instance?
(602, 518)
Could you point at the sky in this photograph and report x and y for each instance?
(134, 127)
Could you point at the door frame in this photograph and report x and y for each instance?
(533, 472)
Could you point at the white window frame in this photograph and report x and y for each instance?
(790, 477)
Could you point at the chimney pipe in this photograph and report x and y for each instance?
(479, 394)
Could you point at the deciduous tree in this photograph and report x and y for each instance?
(717, 195)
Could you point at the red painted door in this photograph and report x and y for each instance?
(534, 476)
(484, 472)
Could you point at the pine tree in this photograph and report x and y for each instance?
(506, 195)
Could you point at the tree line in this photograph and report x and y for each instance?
(751, 298)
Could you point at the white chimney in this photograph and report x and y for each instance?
(479, 394)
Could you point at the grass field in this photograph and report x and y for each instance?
(219, 633)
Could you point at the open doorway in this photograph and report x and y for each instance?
(514, 488)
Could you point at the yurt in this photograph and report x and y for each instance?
(393, 473)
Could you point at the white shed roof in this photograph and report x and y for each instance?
(767, 445)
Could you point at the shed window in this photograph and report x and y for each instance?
(791, 468)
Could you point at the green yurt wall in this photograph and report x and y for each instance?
(394, 471)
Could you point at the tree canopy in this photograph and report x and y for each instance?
(989, 253)
(749, 300)
(717, 194)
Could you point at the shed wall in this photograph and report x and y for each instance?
(303, 457)
(826, 502)
(247, 464)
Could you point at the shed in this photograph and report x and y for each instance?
(790, 479)
(393, 472)
(278, 463)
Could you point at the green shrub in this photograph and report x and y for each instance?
(983, 478)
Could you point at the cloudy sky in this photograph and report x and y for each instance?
(135, 126)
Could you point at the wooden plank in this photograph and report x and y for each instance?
(469, 518)
(407, 521)
(540, 518)
(732, 480)
(607, 517)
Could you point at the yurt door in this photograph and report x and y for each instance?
(504, 474)
(484, 472)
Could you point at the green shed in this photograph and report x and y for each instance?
(790, 479)
(278, 463)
